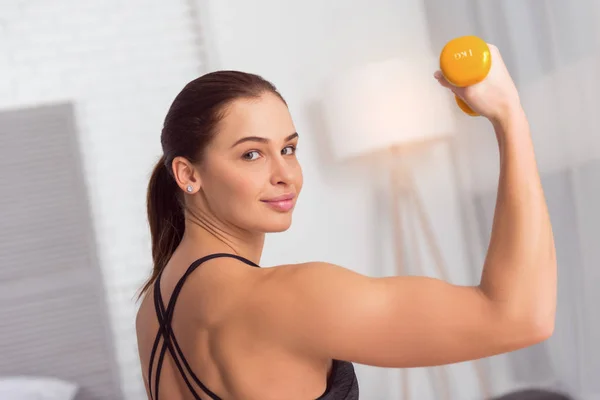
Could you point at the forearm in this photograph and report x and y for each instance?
(519, 274)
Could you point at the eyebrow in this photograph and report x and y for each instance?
(262, 140)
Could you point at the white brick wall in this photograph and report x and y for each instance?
(121, 63)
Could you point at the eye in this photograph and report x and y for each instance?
(292, 150)
(248, 156)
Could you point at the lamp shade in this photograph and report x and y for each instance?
(383, 104)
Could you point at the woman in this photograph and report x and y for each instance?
(233, 330)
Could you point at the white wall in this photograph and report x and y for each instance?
(121, 63)
(342, 215)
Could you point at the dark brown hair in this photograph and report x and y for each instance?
(188, 128)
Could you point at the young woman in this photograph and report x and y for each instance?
(214, 325)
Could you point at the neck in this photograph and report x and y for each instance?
(204, 234)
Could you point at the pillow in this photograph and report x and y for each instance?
(36, 388)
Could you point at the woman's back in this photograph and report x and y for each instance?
(218, 344)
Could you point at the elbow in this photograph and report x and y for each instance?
(540, 321)
(532, 330)
(523, 330)
(523, 323)
(542, 329)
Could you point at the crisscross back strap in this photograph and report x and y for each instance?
(166, 332)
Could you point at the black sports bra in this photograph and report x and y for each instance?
(341, 384)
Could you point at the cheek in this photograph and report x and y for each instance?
(248, 186)
(237, 186)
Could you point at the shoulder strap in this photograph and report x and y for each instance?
(165, 330)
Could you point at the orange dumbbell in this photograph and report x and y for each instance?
(465, 61)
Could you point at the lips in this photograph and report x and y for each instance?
(283, 203)
(289, 196)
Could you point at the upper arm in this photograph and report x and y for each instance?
(333, 312)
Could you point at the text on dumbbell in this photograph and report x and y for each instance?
(463, 54)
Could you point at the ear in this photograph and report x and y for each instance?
(186, 175)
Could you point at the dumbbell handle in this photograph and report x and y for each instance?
(465, 61)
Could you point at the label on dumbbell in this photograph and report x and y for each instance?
(463, 54)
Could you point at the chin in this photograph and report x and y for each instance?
(279, 229)
(275, 222)
(279, 226)
(272, 221)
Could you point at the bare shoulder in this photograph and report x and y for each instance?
(333, 312)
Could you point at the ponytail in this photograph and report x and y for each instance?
(165, 217)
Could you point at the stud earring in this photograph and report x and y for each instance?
(190, 188)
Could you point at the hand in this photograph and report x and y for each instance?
(495, 97)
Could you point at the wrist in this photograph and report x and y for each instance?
(512, 121)
(508, 115)
(513, 134)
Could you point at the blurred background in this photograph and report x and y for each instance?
(85, 86)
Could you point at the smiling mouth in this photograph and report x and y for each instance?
(281, 203)
(288, 196)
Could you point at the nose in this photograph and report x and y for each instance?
(282, 171)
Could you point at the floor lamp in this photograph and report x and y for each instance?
(388, 108)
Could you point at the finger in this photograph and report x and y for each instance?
(444, 82)
(441, 79)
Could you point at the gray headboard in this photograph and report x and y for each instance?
(53, 314)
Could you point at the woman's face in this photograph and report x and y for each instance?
(250, 175)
